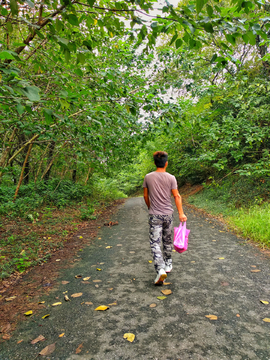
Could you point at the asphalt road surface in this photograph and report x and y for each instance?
(214, 277)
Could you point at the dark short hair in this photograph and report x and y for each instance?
(160, 158)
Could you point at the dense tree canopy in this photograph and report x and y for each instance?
(84, 83)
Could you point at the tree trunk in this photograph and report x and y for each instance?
(6, 152)
(22, 172)
(46, 175)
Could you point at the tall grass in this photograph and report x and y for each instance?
(253, 223)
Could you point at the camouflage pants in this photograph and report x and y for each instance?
(160, 231)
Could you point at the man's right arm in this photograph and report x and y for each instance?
(178, 203)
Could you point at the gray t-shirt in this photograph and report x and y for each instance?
(160, 185)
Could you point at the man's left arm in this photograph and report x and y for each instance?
(146, 197)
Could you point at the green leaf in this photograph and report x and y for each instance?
(73, 20)
(91, 2)
(48, 116)
(209, 10)
(9, 27)
(4, 11)
(78, 72)
(230, 38)
(174, 38)
(20, 109)
(81, 58)
(178, 43)
(14, 7)
(213, 58)
(251, 37)
(30, 3)
(208, 27)
(6, 54)
(245, 38)
(199, 5)
(32, 92)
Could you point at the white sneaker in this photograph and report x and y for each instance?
(168, 268)
(161, 276)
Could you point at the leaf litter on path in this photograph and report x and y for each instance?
(166, 292)
(76, 295)
(102, 308)
(211, 317)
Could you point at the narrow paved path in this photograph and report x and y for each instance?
(214, 277)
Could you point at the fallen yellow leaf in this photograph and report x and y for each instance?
(11, 298)
(129, 336)
(27, 313)
(57, 303)
(166, 292)
(102, 307)
(88, 303)
(266, 320)
(211, 317)
(114, 303)
(221, 258)
(166, 283)
(108, 247)
(256, 270)
(98, 269)
(86, 278)
(66, 298)
(61, 335)
(264, 302)
(150, 261)
(161, 297)
(45, 316)
(76, 295)
(41, 302)
(95, 281)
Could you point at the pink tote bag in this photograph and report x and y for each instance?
(180, 240)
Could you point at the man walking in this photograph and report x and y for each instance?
(158, 186)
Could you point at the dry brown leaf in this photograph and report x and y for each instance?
(166, 283)
(129, 336)
(66, 298)
(237, 315)
(76, 295)
(18, 342)
(211, 317)
(88, 303)
(152, 305)
(113, 304)
(102, 308)
(119, 245)
(6, 336)
(41, 302)
(132, 252)
(11, 298)
(78, 276)
(253, 265)
(36, 340)
(95, 281)
(166, 292)
(86, 278)
(256, 270)
(48, 350)
(6, 328)
(64, 282)
(79, 348)
(96, 286)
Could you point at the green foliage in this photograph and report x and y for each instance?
(254, 223)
